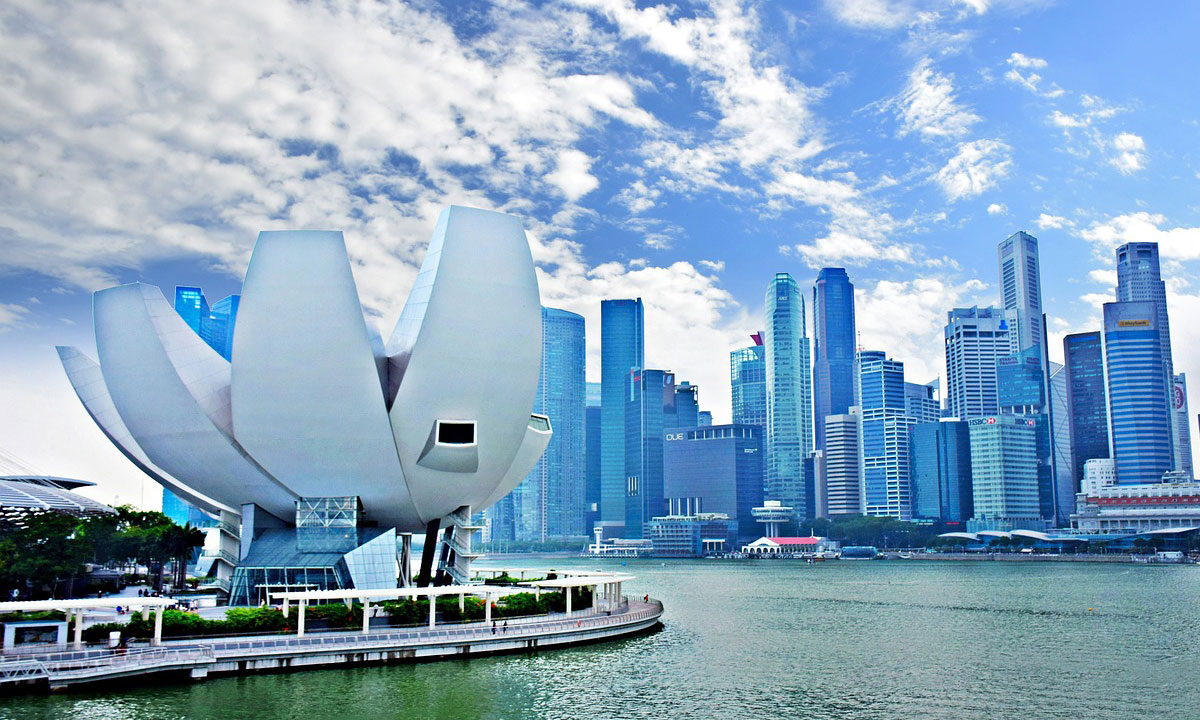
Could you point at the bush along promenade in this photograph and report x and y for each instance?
(337, 616)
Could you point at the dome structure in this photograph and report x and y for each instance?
(313, 402)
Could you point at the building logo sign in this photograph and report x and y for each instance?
(674, 436)
(1133, 323)
(1180, 397)
(983, 421)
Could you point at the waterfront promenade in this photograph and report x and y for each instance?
(234, 655)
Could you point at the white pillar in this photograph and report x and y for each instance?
(286, 605)
(487, 608)
(158, 625)
(462, 602)
(366, 616)
(300, 619)
(78, 628)
(432, 610)
(567, 592)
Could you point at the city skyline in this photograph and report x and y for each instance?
(898, 140)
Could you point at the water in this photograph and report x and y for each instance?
(838, 640)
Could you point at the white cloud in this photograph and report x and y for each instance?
(1178, 243)
(1022, 72)
(1064, 120)
(977, 166)
(928, 105)
(1105, 276)
(571, 175)
(997, 209)
(1131, 153)
(1052, 222)
(638, 197)
(874, 14)
(12, 315)
(1025, 62)
(714, 265)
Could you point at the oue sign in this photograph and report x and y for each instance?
(674, 436)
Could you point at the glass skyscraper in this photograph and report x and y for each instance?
(549, 503)
(1021, 290)
(213, 324)
(976, 338)
(687, 405)
(834, 343)
(1139, 279)
(940, 471)
(1086, 400)
(789, 393)
(840, 471)
(1004, 474)
(883, 433)
(592, 435)
(748, 384)
(1183, 425)
(920, 402)
(649, 412)
(621, 351)
(1060, 437)
(1139, 418)
(717, 469)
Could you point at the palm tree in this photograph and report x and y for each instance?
(178, 544)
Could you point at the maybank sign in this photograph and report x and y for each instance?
(1133, 323)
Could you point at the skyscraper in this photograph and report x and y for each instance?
(1004, 474)
(214, 324)
(621, 350)
(591, 493)
(687, 405)
(940, 470)
(834, 342)
(649, 412)
(549, 503)
(1021, 290)
(1183, 428)
(789, 393)
(717, 469)
(1139, 279)
(883, 432)
(1087, 403)
(1060, 435)
(841, 472)
(1139, 419)
(748, 383)
(976, 338)
(191, 305)
(920, 402)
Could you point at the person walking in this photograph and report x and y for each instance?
(505, 627)
(493, 627)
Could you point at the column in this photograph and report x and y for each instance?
(487, 608)
(567, 592)
(300, 619)
(432, 610)
(286, 604)
(462, 602)
(78, 627)
(158, 625)
(366, 616)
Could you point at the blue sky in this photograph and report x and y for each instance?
(683, 153)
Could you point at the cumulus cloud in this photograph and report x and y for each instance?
(1174, 243)
(977, 166)
(714, 265)
(1131, 153)
(1022, 71)
(928, 105)
(874, 14)
(997, 209)
(1052, 222)
(1106, 276)
(571, 174)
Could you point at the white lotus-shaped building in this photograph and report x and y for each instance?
(313, 403)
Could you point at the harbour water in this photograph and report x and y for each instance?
(761, 639)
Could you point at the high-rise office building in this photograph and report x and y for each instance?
(789, 393)
(1060, 436)
(940, 471)
(1087, 403)
(1183, 427)
(1021, 290)
(649, 412)
(1139, 418)
(704, 418)
(1139, 279)
(549, 503)
(715, 469)
(214, 324)
(1004, 474)
(748, 383)
(883, 435)
(175, 507)
(976, 338)
(687, 405)
(840, 479)
(621, 351)
(834, 343)
(921, 402)
(591, 492)
(1021, 391)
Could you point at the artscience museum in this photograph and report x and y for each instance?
(319, 447)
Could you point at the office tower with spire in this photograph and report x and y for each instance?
(834, 345)
(1021, 290)
(789, 393)
(622, 342)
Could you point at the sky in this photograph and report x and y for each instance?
(683, 153)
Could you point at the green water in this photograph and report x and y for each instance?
(894, 639)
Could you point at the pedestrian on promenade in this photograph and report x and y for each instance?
(493, 627)
(505, 626)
